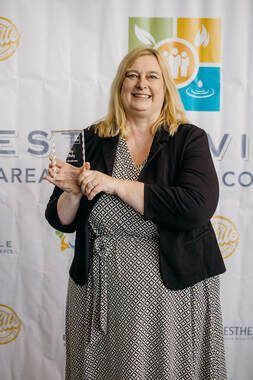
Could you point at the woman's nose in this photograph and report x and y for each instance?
(142, 82)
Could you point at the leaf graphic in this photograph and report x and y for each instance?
(144, 36)
(202, 37)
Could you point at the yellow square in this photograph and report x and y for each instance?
(205, 36)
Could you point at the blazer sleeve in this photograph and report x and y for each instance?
(51, 213)
(192, 200)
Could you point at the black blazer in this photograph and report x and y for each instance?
(180, 197)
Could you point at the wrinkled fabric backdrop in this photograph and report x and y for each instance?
(57, 61)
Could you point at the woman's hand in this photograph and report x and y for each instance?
(65, 176)
(93, 182)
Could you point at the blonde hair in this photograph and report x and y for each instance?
(172, 112)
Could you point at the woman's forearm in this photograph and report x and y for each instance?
(67, 206)
(132, 193)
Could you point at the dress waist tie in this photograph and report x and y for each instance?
(103, 245)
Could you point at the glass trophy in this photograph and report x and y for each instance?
(67, 145)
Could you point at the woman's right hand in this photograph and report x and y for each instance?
(65, 176)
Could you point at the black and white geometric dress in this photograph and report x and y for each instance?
(124, 324)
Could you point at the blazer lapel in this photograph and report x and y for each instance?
(109, 147)
(160, 139)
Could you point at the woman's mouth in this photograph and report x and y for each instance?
(141, 96)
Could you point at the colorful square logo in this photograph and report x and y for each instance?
(192, 49)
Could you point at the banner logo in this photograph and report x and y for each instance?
(6, 247)
(9, 38)
(192, 49)
(238, 332)
(65, 242)
(10, 324)
(227, 235)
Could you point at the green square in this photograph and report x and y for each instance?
(151, 30)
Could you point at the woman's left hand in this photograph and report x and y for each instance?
(93, 182)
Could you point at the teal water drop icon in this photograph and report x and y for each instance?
(199, 91)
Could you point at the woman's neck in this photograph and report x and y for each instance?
(139, 126)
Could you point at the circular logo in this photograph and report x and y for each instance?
(182, 59)
(10, 324)
(227, 235)
(9, 38)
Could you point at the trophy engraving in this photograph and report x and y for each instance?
(67, 145)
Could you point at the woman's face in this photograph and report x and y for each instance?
(142, 91)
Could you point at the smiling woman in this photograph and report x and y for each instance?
(143, 298)
(142, 92)
(172, 112)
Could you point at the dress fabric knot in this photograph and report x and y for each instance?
(103, 246)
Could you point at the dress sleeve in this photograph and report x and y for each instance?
(192, 200)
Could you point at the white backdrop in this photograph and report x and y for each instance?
(57, 60)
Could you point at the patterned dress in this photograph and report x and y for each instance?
(124, 324)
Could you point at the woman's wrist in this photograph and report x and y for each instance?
(118, 186)
(130, 192)
(67, 206)
(73, 198)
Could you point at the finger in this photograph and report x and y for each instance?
(86, 178)
(87, 173)
(53, 169)
(87, 188)
(91, 184)
(91, 193)
(82, 190)
(51, 172)
(59, 163)
(52, 160)
(84, 187)
(55, 161)
(49, 179)
(81, 177)
(96, 190)
(56, 174)
(86, 166)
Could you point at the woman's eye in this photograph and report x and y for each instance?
(153, 76)
(132, 76)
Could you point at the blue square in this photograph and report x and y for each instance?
(203, 93)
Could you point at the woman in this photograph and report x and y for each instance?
(143, 298)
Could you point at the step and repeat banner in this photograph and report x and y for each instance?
(57, 61)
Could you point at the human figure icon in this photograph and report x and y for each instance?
(174, 62)
(165, 54)
(185, 61)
